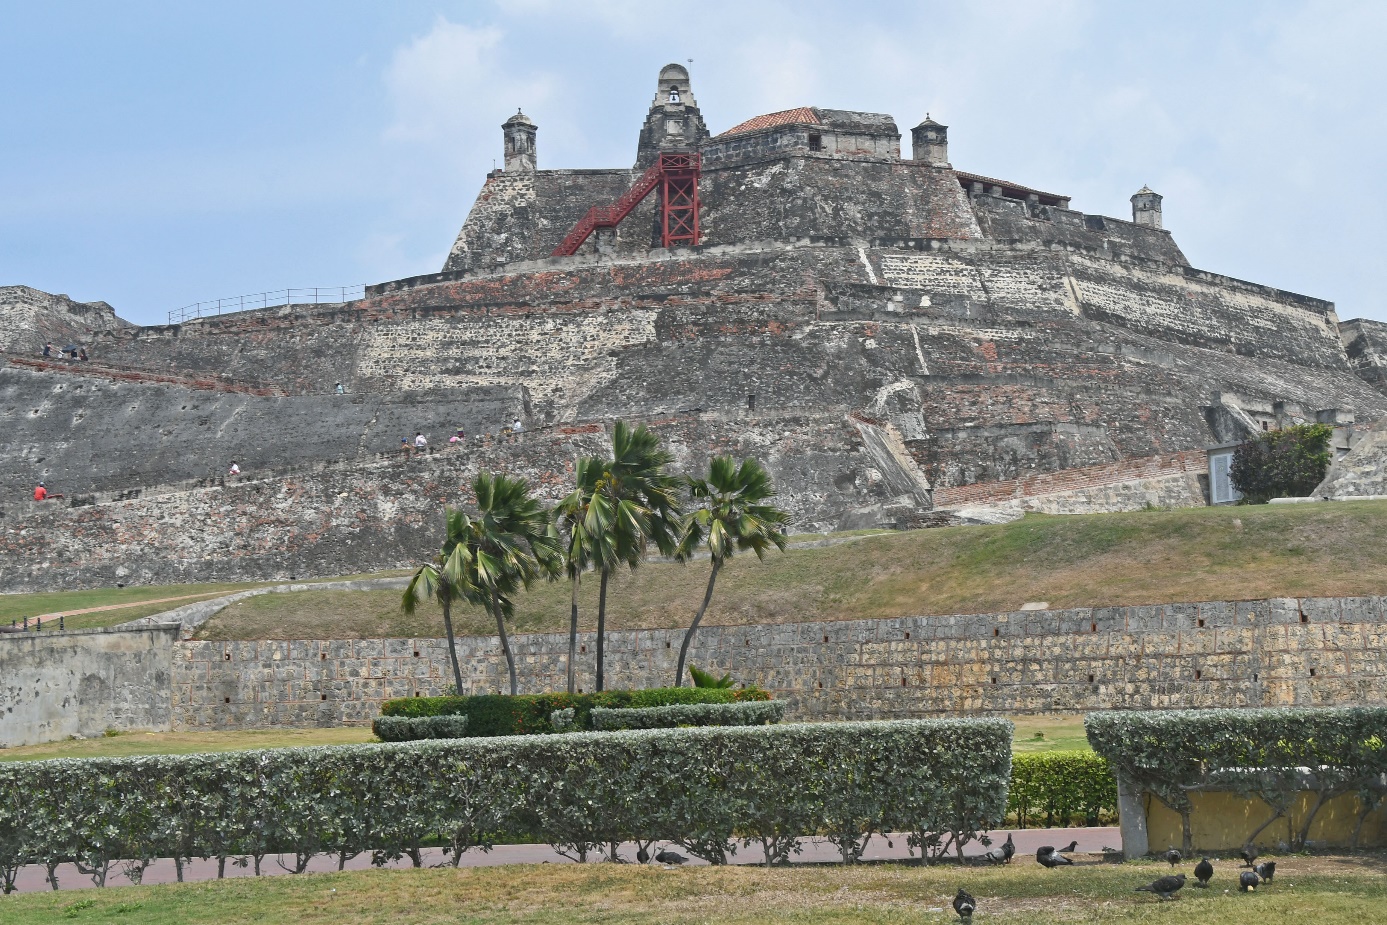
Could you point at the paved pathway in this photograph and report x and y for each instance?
(1091, 840)
(157, 600)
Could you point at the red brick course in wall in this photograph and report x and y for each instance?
(1126, 470)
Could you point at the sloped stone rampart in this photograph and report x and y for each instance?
(1320, 652)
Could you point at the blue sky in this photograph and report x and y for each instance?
(155, 154)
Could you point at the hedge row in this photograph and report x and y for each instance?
(529, 714)
(1060, 789)
(709, 790)
(752, 713)
(1272, 754)
(413, 728)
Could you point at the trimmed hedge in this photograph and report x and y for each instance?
(752, 713)
(706, 789)
(530, 714)
(1272, 754)
(411, 728)
(1060, 789)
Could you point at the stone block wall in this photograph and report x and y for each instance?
(1310, 652)
(56, 685)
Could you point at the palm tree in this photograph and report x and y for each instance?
(586, 527)
(441, 579)
(639, 504)
(732, 516)
(509, 545)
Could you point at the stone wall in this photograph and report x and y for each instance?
(1310, 652)
(56, 685)
(30, 317)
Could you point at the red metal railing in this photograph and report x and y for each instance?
(679, 171)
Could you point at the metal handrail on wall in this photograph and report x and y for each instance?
(316, 295)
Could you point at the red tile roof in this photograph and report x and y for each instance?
(993, 181)
(785, 117)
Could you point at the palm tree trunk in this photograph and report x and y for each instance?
(573, 636)
(452, 644)
(505, 643)
(693, 627)
(601, 630)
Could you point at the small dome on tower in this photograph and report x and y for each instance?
(518, 119)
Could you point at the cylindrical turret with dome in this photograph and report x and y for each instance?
(673, 120)
(520, 133)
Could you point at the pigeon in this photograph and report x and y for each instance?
(665, 856)
(1249, 855)
(1049, 857)
(1072, 846)
(1247, 881)
(1266, 870)
(1008, 849)
(642, 856)
(1173, 857)
(964, 904)
(1165, 888)
(1203, 872)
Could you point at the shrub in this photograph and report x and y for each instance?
(701, 788)
(410, 728)
(1060, 788)
(752, 713)
(1286, 463)
(1272, 754)
(530, 714)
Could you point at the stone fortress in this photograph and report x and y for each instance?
(904, 343)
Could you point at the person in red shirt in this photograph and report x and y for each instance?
(40, 493)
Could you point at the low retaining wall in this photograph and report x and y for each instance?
(83, 682)
(1310, 652)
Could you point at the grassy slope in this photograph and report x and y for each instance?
(1104, 559)
(1061, 732)
(1306, 890)
(131, 603)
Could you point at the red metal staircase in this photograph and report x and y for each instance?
(676, 173)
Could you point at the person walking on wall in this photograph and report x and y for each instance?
(43, 494)
(82, 354)
(404, 445)
(457, 438)
(339, 390)
(420, 443)
(516, 426)
(234, 470)
(48, 349)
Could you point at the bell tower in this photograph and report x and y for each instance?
(673, 121)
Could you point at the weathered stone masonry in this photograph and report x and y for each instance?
(1322, 651)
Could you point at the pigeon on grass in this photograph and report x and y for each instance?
(642, 856)
(1002, 854)
(1266, 870)
(964, 904)
(665, 856)
(1173, 856)
(1249, 855)
(1165, 887)
(1247, 881)
(1047, 856)
(1072, 846)
(1203, 872)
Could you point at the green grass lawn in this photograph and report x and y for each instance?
(1090, 560)
(1322, 891)
(186, 743)
(1060, 733)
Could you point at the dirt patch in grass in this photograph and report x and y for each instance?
(1093, 560)
(1327, 892)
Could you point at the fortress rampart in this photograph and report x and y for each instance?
(1283, 652)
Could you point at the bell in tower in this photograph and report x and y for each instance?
(674, 121)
